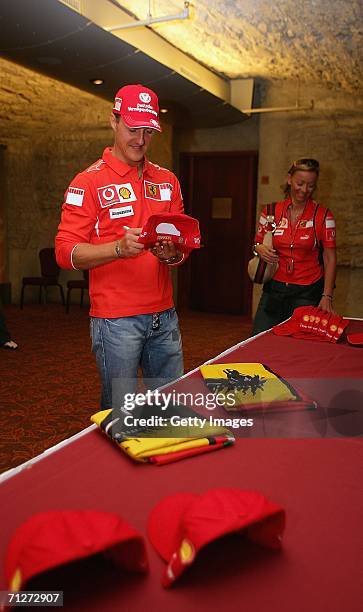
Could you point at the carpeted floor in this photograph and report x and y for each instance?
(49, 387)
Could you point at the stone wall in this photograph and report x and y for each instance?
(332, 133)
(50, 132)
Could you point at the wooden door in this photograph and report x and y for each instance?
(220, 191)
(3, 223)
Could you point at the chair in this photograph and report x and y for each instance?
(81, 284)
(49, 270)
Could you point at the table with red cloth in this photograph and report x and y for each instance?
(310, 462)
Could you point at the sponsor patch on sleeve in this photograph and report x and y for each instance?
(75, 196)
(329, 223)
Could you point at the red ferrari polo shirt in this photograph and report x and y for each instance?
(298, 246)
(98, 203)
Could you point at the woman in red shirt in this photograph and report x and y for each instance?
(303, 247)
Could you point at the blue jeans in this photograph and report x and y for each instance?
(151, 341)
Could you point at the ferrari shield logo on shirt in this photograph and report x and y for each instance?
(283, 222)
(113, 194)
(158, 191)
(75, 196)
(123, 211)
(306, 223)
(153, 190)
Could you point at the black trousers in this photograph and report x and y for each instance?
(279, 300)
(4, 332)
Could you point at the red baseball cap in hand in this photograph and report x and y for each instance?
(180, 229)
(50, 539)
(181, 525)
(138, 107)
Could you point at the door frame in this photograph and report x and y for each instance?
(186, 178)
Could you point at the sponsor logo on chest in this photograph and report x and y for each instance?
(158, 191)
(115, 194)
(306, 223)
(123, 211)
(283, 223)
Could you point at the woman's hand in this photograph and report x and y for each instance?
(266, 253)
(326, 303)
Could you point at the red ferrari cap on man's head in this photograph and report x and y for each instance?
(180, 525)
(138, 107)
(50, 539)
(181, 229)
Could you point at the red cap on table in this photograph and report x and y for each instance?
(343, 323)
(355, 339)
(49, 539)
(292, 325)
(181, 525)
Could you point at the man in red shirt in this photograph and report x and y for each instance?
(133, 321)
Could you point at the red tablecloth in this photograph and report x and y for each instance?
(318, 481)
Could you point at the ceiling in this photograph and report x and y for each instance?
(317, 41)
